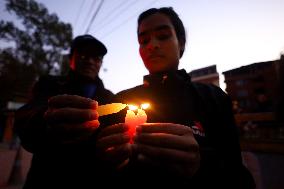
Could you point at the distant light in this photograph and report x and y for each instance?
(11, 105)
(145, 106)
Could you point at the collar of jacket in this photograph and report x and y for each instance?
(172, 78)
(78, 79)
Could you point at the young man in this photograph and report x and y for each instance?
(59, 123)
(190, 140)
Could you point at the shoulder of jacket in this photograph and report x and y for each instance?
(132, 90)
(208, 89)
(129, 93)
(102, 91)
(51, 80)
(211, 93)
(107, 94)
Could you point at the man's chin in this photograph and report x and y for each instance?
(88, 76)
(91, 76)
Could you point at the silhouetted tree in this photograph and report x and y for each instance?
(33, 48)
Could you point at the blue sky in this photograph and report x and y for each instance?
(228, 33)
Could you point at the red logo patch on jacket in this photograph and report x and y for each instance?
(197, 129)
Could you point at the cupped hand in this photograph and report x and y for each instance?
(171, 146)
(113, 145)
(71, 117)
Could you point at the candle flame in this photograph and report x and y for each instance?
(132, 107)
(145, 106)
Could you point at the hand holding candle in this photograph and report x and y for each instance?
(133, 120)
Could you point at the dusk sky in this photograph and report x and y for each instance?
(228, 33)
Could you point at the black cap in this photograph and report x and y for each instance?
(88, 42)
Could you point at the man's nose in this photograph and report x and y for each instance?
(95, 60)
(153, 44)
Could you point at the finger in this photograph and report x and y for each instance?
(113, 129)
(186, 143)
(142, 158)
(70, 115)
(170, 128)
(76, 101)
(116, 156)
(118, 153)
(92, 124)
(166, 155)
(123, 164)
(113, 140)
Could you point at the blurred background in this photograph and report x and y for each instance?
(235, 44)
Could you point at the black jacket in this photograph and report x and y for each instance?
(204, 108)
(54, 165)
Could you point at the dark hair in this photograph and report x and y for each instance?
(173, 16)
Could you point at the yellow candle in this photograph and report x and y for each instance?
(110, 108)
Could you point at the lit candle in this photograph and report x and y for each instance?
(133, 120)
(110, 108)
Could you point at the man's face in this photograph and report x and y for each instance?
(159, 46)
(86, 63)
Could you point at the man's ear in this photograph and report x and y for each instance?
(181, 47)
(72, 60)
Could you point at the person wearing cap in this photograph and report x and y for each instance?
(59, 123)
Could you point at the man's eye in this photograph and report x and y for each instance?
(163, 36)
(82, 57)
(143, 40)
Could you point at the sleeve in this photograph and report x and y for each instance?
(227, 142)
(221, 162)
(29, 123)
(233, 161)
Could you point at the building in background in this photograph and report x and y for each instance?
(280, 91)
(207, 75)
(253, 87)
